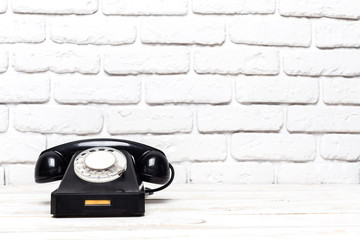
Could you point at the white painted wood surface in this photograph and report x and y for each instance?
(196, 212)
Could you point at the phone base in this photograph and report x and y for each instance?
(75, 197)
(82, 205)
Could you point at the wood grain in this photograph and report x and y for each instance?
(196, 211)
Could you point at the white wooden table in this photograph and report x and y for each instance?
(196, 212)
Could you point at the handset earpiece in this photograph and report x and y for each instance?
(153, 167)
(49, 167)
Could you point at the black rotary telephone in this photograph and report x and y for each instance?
(102, 177)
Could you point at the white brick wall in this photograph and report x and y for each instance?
(21, 147)
(280, 147)
(320, 8)
(22, 30)
(2, 176)
(17, 174)
(323, 63)
(233, 6)
(3, 5)
(122, 120)
(249, 173)
(340, 147)
(58, 61)
(55, 6)
(245, 118)
(4, 61)
(245, 60)
(162, 60)
(145, 7)
(92, 89)
(4, 118)
(197, 89)
(290, 173)
(277, 90)
(202, 31)
(323, 119)
(342, 91)
(236, 91)
(270, 31)
(34, 88)
(88, 30)
(58, 119)
(329, 33)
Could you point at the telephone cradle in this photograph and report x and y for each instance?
(102, 177)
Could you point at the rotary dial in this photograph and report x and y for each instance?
(100, 164)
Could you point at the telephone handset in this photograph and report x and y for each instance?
(102, 177)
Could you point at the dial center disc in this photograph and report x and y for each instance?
(100, 160)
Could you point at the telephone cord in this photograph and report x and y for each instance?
(151, 191)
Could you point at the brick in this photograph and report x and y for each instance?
(55, 6)
(4, 118)
(181, 174)
(319, 173)
(4, 61)
(340, 147)
(243, 60)
(159, 60)
(341, 90)
(144, 7)
(249, 173)
(182, 31)
(22, 30)
(329, 33)
(233, 6)
(19, 174)
(323, 63)
(277, 90)
(149, 120)
(58, 119)
(273, 147)
(3, 8)
(320, 8)
(21, 147)
(90, 30)
(180, 89)
(323, 119)
(2, 176)
(179, 148)
(58, 61)
(91, 89)
(270, 31)
(25, 88)
(241, 118)
(53, 140)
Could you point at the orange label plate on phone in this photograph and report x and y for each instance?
(97, 203)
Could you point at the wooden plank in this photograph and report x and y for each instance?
(196, 211)
(184, 221)
(338, 233)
